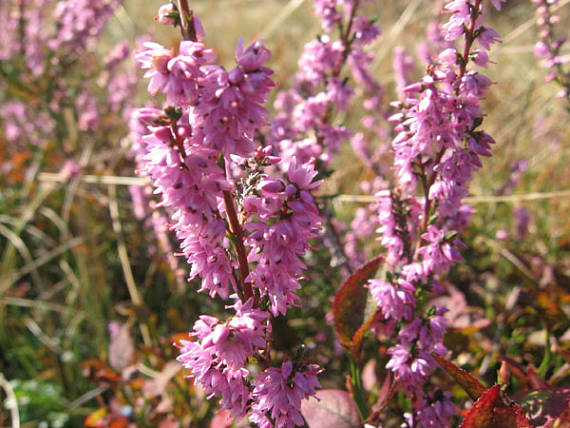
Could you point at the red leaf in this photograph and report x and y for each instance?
(120, 422)
(482, 412)
(359, 334)
(350, 301)
(470, 384)
(331, 408)
(546, 406)
(494, 410)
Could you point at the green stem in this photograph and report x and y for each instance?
(545, 363)
(357, 389)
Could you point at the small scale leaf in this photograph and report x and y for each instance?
(469, 383)
(331, 408)
(350, 301)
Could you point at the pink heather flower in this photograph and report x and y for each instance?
(176, 76)
(437, 142)
(327, 12)
(549, 47)
(403, 66)
(411, 370)
(190, 188)
(278, 393)
(155, 58)
(230, 104)
(435, 409)
(319, 58)
(395, 302)
(80, 23)
(281, 222)
(165, 13)
(497, 3)
(231, 343)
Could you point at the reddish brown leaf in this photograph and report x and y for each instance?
(331, 408)
(120, 422)
(547, 406)
(510, 416)
(536, 381)
(100, 373)
(470, 384)
(482, 412)
(494, 410)
(359, 334)
(350, 301)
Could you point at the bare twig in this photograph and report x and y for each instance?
(12, 401)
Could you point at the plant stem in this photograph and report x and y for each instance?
(357, 391)
(237, 231)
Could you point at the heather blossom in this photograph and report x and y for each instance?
(549, 47)
(437, 149)
(242, 230)
(279, 392)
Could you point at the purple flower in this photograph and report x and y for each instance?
(278, 393)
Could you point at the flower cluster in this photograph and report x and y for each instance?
(46, 53)
(308, 124)
(549, 47)
(304, 124)
(241, 230)
(437, 149)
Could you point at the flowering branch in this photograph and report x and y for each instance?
(549, 48)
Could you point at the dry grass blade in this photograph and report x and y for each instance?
(49, 177)
(27, 214)
(124, 258)
(521, 29)
(12, 277)
(19, 244)
(31, 229)
(38, 304)
(36, 330)
(11, 401)
(473, 199)
(276, 22)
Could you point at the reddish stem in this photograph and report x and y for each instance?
(469, 39)
(186, 21)
(237, 231)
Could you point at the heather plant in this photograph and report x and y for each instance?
(549, 47)
(359, 221)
